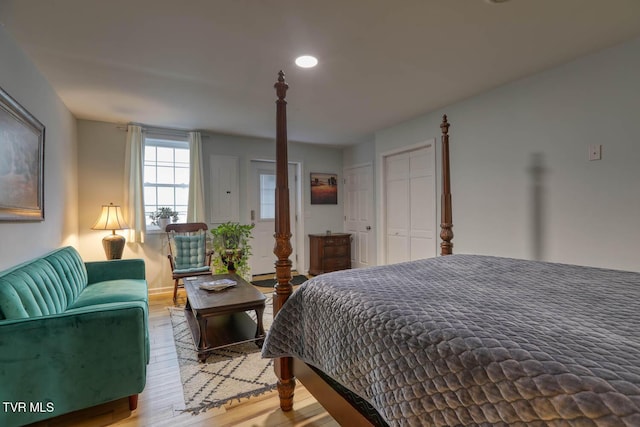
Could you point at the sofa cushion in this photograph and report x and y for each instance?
(43, 286)
(121, 290)
(30, 290)
(71, 269)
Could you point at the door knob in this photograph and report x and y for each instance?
(368, 227)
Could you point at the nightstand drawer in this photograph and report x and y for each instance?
(335, 251)
(333, 264)
(337, 241)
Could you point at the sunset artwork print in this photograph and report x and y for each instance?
(324, 189)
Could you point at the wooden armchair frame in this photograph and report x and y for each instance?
(189, 227)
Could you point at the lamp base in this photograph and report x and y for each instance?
(113, 245)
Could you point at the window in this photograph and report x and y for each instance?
(267, 196)
(166, 175)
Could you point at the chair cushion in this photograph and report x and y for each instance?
(187, 271)
(190, 251)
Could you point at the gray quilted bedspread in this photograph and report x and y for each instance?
(474, 340)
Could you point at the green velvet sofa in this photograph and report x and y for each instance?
(72, 335)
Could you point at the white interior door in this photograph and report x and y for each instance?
(396, 203)
(358, 214)
(262, 205)
(422, 215)
(225, 189)
(410, 206)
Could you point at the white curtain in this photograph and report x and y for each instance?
(195, 207)
(134, 185)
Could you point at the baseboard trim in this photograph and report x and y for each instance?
(154, 291)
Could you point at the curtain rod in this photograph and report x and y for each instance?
(147, 128)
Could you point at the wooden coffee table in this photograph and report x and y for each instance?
(219, 319)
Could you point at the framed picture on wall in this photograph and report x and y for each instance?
(21, 163)
(324, 188)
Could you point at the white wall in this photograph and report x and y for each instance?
(26, 240)
(101, 154)
(101, 149)
(589, 210)
(313, 158)
(359, 154)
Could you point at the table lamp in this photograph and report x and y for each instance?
(111, 218)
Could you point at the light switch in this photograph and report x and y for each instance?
(595, 152)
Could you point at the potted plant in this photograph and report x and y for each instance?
(162, 216)
(232, 248)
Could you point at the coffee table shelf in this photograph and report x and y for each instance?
(219, 319)
(224, 330)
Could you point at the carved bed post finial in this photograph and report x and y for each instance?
(446, 221)
(281, 90)
(283, 366)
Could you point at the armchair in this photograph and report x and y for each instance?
(188, 254)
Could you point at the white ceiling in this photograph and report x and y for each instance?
(211, 64)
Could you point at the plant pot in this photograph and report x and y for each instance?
(163, 222)
(230, 257)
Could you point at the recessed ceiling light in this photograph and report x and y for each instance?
(306, 61)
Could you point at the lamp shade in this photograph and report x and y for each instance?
(111, 218)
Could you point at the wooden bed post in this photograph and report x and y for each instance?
(283, 366)
(446, 221)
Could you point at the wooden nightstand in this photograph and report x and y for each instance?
(329, 252)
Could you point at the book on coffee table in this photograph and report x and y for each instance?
(218, 285)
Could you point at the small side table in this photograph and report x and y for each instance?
(329, 252)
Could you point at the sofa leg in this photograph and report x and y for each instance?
(133, 402)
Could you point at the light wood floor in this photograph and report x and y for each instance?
(162, 399)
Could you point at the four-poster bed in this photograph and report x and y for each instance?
(455, 340)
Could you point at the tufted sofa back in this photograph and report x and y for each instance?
(43, 286)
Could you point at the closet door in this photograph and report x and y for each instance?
(422, 207)
(397, 208)
(410, 205)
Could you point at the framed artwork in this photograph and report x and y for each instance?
(21, 163)
(324, 188)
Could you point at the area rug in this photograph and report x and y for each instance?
(231, 373)
(270, 283)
